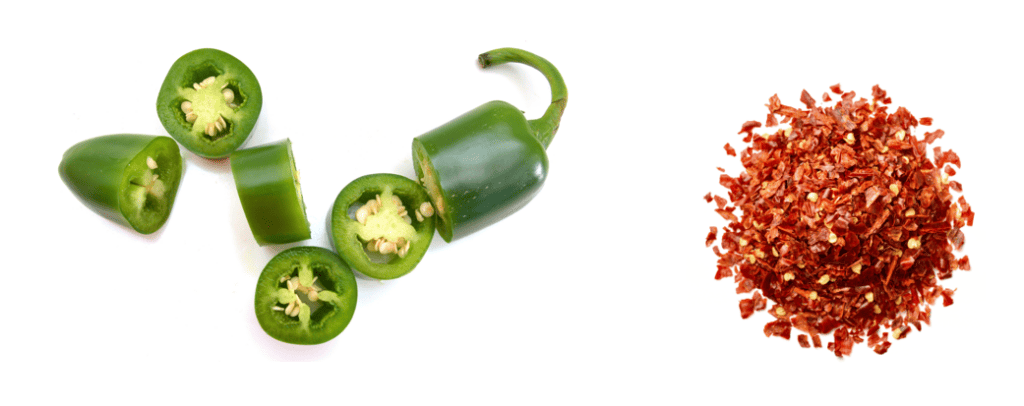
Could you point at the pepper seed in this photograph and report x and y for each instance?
(229, 95)
(150, 162)
(426, 210)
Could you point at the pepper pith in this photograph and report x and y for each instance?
(508, 162)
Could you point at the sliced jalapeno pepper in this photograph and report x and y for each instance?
(489, 162)
(209, 102)
(268, 187)
(305, 295)
(390, 226)
(128, 178)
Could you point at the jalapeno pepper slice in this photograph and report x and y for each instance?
(209, 102)
(131, 179)
(305, 295)
(488, 163)
(382, 225)
(268, 187)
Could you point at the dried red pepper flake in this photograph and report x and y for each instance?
(720, 201)
(964, 264)
(930, 137)
(842, 221)
(947, 297)
(712, 236)
(707, 197)
(729, 150)
(806, 99)
(747, 128)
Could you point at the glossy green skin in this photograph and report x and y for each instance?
(328, 321)
(488, 164)
(344, 229)
(100, 172)
(193, 67)
(267, 187)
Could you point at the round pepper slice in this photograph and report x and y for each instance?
(209, 102)
(268, 187)
(131, 179)
(382, 225)
(486, 164)
(305, 295)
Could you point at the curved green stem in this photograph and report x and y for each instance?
(546, 126)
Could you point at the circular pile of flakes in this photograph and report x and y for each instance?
(843, 222)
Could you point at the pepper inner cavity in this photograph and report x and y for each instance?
(149, 187)
(385, 224)
(206, 105)
(301, 294)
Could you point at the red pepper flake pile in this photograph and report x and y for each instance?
(844, 222)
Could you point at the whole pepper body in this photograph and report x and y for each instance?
(488, 163)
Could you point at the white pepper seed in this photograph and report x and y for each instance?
(150, 162)
(426, 209)
(229, 95)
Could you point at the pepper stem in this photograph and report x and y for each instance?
(546, 126)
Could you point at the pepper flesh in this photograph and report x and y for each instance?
(350, 236)
(488, 163)
(128, 178)
(186, 81)
(268, 188)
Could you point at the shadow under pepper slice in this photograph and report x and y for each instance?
(268, 187)
(305, 295)
(488, 163)
(390, 226)
(131, 179)
(209, 102)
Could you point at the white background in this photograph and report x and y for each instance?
(600, 291)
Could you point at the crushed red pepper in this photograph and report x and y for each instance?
(844, 223)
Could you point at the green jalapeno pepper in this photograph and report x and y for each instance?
(209, 102)
(305, 295)
(382, 224)
(268, 187)
(128, 178)
(489, 162)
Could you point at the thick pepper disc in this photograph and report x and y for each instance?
(305, 295)
(491, 161)
(128, 178)
(209, 102)
(382, 225)
(268, 187)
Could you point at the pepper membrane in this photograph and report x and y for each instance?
(488, 163)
